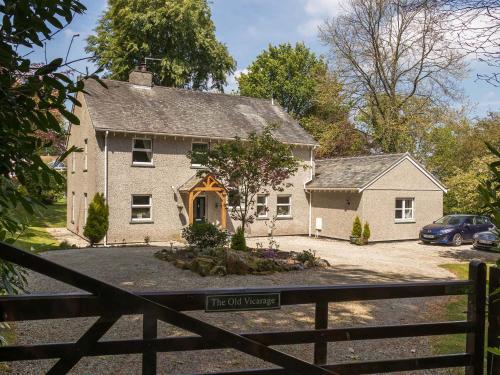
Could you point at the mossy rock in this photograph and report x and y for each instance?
(218, 271)
(203, 265)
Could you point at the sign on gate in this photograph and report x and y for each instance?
(242, 302)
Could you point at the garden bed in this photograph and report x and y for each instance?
(223, 261)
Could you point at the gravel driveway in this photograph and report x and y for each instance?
(135, 268)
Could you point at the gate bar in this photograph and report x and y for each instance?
(114, 296)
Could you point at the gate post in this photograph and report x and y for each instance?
(321, 322)
(493, 363)
(476, 313)
(149, 331)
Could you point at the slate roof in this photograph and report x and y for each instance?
(351, 172)
(190, 184)
(171, 111)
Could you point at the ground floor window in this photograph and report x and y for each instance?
(284, 206)
(405, 208)
(141, 208)
(262, 205)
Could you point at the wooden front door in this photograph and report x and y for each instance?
(200, 209)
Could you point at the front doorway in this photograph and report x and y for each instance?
(200, 213)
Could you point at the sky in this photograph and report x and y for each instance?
(247, 27)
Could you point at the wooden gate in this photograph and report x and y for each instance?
(110, 303)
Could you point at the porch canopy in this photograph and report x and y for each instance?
(200, 184)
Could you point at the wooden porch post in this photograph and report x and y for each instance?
(223, 223)
(190, 207)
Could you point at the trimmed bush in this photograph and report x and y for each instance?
(366, 233)
(204, 235)
(356, 228)
(238, 241)
(97, 223)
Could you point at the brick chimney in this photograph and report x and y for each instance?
(140, 76)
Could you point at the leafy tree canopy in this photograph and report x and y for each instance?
(286, 73)
(180, 33)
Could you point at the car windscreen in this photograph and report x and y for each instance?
(450, 220)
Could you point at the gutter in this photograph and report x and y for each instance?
(194, 136)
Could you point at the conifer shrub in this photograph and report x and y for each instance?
(356, 228)
(366, 233)
(97, 223)
(238, 241)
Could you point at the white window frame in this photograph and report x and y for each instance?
(85, 155)
(150, 206)
(195, 165)
(85, 208)
(403, 208)
(72, 207)
(143, 150)
(265, 205)
(289, 204)
(73, 162)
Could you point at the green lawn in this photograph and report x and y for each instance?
(52, 216)
(455, 309)
(35, 237)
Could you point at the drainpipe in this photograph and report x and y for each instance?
(310, 192)
(106, 176)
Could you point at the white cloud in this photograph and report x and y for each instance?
(318, 11)
(310, 28)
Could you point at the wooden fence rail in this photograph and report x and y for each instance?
(110, 303)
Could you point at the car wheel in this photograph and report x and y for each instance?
(457, 239)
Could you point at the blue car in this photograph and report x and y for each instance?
(455, 229)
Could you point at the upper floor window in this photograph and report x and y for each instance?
(142, 151)
(198, 150)
(284, 206)
(85, 155)
(405, 210)
(262, 205)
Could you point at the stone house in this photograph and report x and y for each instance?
(135, 138)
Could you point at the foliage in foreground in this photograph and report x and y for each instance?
(97, 223)
(204, 235)
(32, 96)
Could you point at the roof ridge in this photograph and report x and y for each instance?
(198, 91)
(364, 156)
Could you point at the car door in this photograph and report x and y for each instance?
(468, 228)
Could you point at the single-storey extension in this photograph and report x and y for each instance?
(392, 192)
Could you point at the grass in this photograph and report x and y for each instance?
(52, 216)
(455, 309)
(36, 237)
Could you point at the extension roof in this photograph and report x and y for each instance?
(357, 173)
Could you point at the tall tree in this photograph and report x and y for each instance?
(179, 34)
(329, 123)
(475, 26)
(286, 73)
(388, 52)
